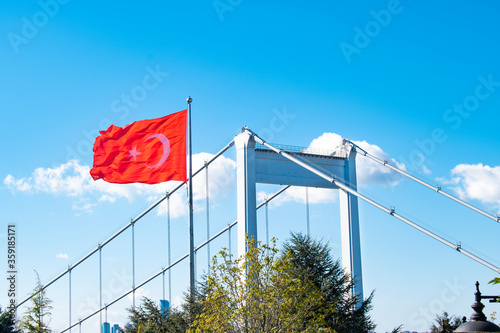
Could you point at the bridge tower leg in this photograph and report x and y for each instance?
(246, 190)
(349, 225)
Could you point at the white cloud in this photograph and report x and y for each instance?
(326, 144)
(69, 178)
(478, 182)
(426, 170)
(83, 205)
(73, 180)
(140, 293)
(62, 256)
(178, 205)
(221, 176)
(371, 173)
(368, 171)
(20, 185)
(178, 302)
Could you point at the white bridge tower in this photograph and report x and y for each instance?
(262, 165)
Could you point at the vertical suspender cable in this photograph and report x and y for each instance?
(307, 210)
(169, 252)
(221, 232)
(208, 215)
(163, 284)
(100, 284)
(69, 276)
(267, 222)
(229, 233)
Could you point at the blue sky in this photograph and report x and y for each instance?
(419, 82)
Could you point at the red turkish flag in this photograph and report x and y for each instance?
(147, 151)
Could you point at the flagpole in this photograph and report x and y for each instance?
(190, 205)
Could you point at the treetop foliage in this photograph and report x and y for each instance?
(37, 317)
(300, 289)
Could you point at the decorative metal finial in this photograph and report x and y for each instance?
(477, 306)
(189, 99)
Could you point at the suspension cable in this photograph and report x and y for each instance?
(116, 234)
(434, 188)
(163, 270)
(391, 211)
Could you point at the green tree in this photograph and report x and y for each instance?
(397, 329)
(445, 324)
(37, 316)
(311, 260)
(149, 317)
(192, 306)
(7, 323)
(258, 293)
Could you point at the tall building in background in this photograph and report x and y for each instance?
(105, 328)
(164, 306)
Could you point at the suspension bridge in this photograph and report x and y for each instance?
(256, 162)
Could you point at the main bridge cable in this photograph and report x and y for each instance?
(132, 221)
(228, 227)
(434, 188)
(390, 211)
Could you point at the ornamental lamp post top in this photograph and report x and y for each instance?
(478, 322)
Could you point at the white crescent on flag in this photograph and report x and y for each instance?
(166, 149)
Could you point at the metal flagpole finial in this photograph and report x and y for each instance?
(189, 99)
